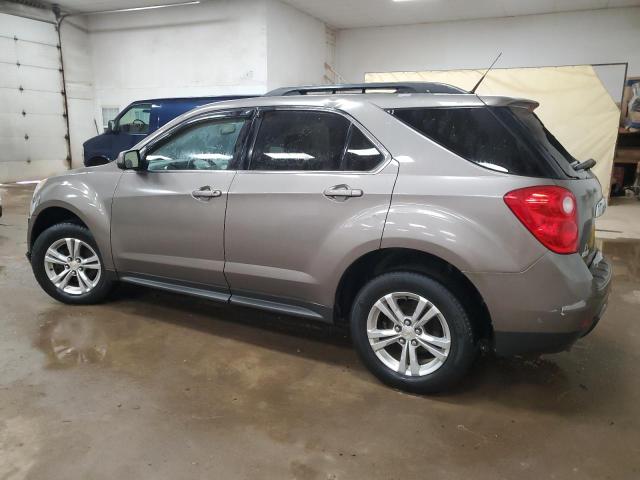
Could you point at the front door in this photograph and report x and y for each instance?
(168, 221)
(314, 197)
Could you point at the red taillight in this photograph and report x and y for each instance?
(549, 213)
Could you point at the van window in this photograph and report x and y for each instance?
(136, 119)
(299, 140)
(210, 145)
(478, 135)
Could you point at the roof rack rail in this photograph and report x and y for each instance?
(405, 87)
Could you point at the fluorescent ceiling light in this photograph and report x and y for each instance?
(137, 9)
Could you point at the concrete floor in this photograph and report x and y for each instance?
(154, 385)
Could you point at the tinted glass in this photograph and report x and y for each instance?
(205, 146)
(361, 154)
(476, 134)
(537, 133)
(299, 140)
(136, 119)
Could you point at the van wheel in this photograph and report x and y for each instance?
(412, 332)
(68, 265)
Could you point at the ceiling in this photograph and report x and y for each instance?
(366, 13)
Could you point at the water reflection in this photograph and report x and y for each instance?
(625, 256)
(73, 341)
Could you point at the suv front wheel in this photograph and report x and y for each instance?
(412, 332)
(68, 266)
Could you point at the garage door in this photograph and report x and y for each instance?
(32, 122)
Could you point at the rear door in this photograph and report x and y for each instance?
(313, 197)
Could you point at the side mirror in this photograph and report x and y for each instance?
(129, 160)
(111, 126)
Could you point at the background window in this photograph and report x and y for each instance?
(293, 140)
(108, 113)
(205, 146)
(136, 119)
(477, 135)
(361, 154)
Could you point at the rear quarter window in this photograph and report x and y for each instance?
(477, 135)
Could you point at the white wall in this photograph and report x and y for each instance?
(296, 46)
(217, 47)
(78, 69)
(596, 36)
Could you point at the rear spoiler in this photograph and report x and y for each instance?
(495, 101)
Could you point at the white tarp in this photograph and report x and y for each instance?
(574, 105)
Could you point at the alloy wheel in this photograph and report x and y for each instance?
(408, 334)
(72, 266)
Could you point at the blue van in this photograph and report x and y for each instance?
(138, 120)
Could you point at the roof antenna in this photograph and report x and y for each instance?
(473, 90)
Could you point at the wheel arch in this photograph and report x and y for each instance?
(394, 259)
(53, 215)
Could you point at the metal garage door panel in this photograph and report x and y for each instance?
(38, 55)
(42, 102)
(41, 125)
(13, 148)
(14, 101)
(43, 79)
(32, 124)
(8, 50)
(27, 29)
(35, 170)
(8, 76)
(46, 148)
(11, 127)
(10, 101)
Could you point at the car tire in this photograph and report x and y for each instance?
(425, 367)
(86, 281)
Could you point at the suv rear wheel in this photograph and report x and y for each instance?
(412, 332)
(68, 266)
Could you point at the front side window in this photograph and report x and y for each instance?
(478, 135)
(136, 119)
(299, 140)
(210, 145)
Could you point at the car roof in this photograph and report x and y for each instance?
(385, 101)
(190, 99)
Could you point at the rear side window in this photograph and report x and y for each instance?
(361, 154)
(299, 140)
(477, 135)
(535, 130)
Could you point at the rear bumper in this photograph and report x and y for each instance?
(549, 306)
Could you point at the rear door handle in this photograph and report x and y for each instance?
(343, 191)
(206, 193)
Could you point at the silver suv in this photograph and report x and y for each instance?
(433, 222)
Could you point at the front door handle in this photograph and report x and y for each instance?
(343, 191)
(205, 193)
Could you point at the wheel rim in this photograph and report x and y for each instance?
(408, 334)
(72, 266)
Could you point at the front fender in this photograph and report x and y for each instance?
(89, 197)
